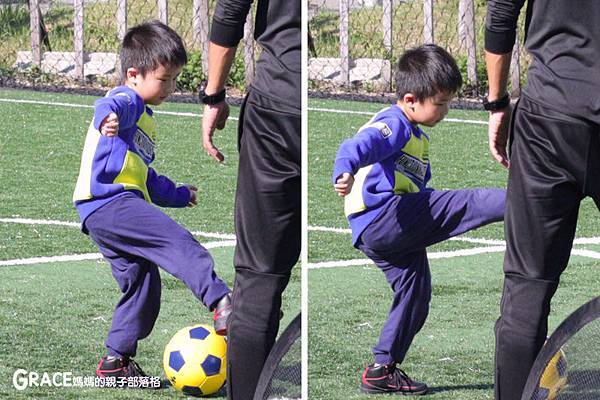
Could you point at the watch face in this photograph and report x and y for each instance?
(202, 88)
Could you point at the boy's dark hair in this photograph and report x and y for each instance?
(425, 71)
(149, 45)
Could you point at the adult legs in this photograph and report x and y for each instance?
(547, 177)
(267, 220)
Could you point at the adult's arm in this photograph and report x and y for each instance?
(226, 32)
(500, 34)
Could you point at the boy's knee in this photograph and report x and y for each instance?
(492, 202)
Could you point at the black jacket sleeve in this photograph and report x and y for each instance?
(228, 22)
(501, 25)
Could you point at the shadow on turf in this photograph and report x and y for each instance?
(442, 389)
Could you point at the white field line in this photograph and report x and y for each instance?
(28, 221)
(370, 114)
(88, 256)
(493, 242)
(42, 260)
(229, 236)
(432, 256)
(182, 114)
(226, 236)
(57, 104)
(586, 253)
(446, 254)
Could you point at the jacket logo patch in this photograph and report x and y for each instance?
(411, 166)
(385, 130)
(144, 145)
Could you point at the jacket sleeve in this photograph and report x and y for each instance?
(127, 107)
(164, 192)
(228, 22)
(375, 142)
(501, 24)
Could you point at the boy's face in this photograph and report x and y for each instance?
(431, 110)
(156, 86)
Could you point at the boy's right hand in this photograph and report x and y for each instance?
(110, 125)
(343, 184)
(193, 195)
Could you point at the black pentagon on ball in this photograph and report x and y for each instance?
(199, 333)
(561, 366)
(192, 390)
(176, 360)
(541, 394)
(211, 365)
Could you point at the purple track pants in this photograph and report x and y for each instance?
(135, 237)
(396, 240)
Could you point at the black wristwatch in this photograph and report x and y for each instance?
(210, 99)
(496, 105)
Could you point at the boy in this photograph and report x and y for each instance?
(383, 173)
(115, 190)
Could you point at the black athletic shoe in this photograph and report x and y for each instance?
(118, 367)
(221, 313)
(124, 369)
(390, 379)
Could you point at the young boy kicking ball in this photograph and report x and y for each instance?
(383, 173)
(117, 188)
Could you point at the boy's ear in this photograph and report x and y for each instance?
(132, 75)
(409, 99)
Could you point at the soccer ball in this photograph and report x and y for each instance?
(554, 378)
(195, 360)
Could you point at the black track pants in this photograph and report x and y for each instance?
(267, 220)
(555, 163)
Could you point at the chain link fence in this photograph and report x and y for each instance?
(354, 44)
(75, 42)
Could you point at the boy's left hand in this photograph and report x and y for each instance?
(193, 195)
(343, 184)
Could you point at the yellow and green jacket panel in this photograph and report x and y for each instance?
(113, 166)
(387, 157)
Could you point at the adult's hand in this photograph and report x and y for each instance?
(498, 134)
(214, 116)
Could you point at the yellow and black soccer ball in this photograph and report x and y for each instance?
(195, 360)
(553, 379)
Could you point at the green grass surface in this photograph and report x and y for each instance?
(54, 316)
(453, 353)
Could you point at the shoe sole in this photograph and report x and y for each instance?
(396, 392)
(221, 332)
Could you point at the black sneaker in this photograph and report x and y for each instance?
(221, 313)
(122, 369)
(390, 379)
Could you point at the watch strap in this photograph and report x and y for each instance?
(210, 99)
(496, 105)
